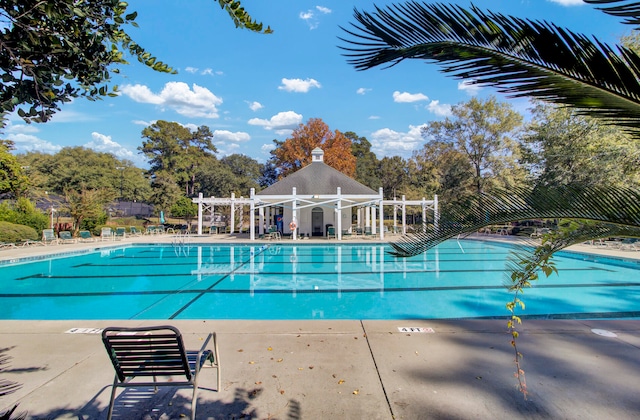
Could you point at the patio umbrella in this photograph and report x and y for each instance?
(162, 217)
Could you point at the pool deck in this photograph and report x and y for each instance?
(575, 369)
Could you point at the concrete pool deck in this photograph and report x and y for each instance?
(575, 369)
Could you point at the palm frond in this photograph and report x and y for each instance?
(615, 207)
(519, 57)
(630, 10)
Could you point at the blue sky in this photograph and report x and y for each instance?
(250, 89)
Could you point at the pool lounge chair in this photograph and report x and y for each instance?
(49, 237)
(106, 234)
(133, 231)
(331, 232)
(5, 245)
(65, 237)
(140, 353)
(120, 233)
(86, 236)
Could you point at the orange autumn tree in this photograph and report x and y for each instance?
(295, 152)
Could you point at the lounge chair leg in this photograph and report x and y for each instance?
(113, 398)
(194, 400)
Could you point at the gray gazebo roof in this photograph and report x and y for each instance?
(318, 178)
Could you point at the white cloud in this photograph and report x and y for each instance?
(191, 70)
(442, 110)
(374, 117)
(469, 87)
(387, 142)
(311, 18)
(267, 148)
(29, 143)
(104, 143)
(25, 139)
(298, 85)
(142, 123)
(568, 2)
(228, 136)
(363, 91)
(197, 103)
(281, 123)
(409, 97)
(255, 106)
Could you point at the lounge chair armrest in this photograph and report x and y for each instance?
(199, 361)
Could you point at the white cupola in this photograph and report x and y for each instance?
(317, 155)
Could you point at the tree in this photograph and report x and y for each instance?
(393, 175)
(366, 161)
(484, 132)
(12, 178)
(176, 151)
(246, 170)
(87, 204)
(184, 208)
(442, 169)
(54, 51)
(295, 152)
(563, 148)
(80, 168)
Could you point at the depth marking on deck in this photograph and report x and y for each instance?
(416, 330)
(84, 331)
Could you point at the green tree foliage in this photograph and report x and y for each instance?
(564, 148)
(87, 204)
(79, 168)
(15, 233)
(394, 176)
(443, 170)
(54, 51)
(184, 208)
(247, 172)
(366, 161)
(12, 177)
(484, 132)
(24, 212)
(176, 152)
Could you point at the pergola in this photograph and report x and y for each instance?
(310, 200)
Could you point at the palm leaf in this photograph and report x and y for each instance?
(520, 57)
(630, 10)
(617, 211)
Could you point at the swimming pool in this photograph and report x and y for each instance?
(457, 279)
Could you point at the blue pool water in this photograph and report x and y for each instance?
(457, 279)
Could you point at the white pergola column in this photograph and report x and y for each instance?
(373, 220)
(261, 221)
(233, 212)
(436, 213)
(200, 213)
(381, 214)
(404, 215)
(367, 217)
(294, 213)
(338, 214)
(252, 215)
(424, 215)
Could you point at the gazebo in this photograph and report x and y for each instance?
(312, 199)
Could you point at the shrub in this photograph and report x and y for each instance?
(11, 232)
(23, 212)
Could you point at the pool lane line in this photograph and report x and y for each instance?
(278, 273)
(307, 291)
(192, 301)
